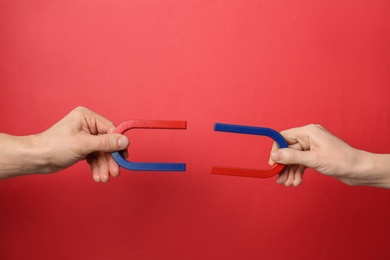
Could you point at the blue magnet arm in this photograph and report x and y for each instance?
(147, 166)
(252, 130)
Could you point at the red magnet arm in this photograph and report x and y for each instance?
(154, 124)
(248, 172)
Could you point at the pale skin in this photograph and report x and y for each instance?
(312, 146)
(82, 134)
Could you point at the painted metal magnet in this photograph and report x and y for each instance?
(148, 166)
(252, 130)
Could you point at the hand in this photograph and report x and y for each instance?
(83, 134)
(313, 146)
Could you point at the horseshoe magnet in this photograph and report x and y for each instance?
(148, 166)
(252, 130)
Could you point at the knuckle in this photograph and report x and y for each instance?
(105, 143)
(79, 109)
(313, 127)
(291, 157)
(315, 160)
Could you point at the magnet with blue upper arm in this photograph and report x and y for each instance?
(252, 130)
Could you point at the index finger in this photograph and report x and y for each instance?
(97, 123)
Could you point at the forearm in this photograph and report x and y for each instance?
(20, 155)
(373, 170)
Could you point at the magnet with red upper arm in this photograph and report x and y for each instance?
(148, 166)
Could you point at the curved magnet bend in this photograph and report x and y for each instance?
(148, 166)
(252, 130)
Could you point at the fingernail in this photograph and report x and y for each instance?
(123, 142)
(96, 178)
(270, 162)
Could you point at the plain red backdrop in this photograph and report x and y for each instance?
(272, 63)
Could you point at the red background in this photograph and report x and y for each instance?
(273, 63)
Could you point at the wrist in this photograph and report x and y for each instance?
(31, 154)
(37, 154)
(21, 155)
(372, 169)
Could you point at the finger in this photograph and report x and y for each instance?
(298, 175)
(103, 167)
(291, 156)
(291, 174)
(91, 159)
(103, 143)
(96, 123)
(290, 135)
(113, 167)
(283, 175)
(300, 135)
(275, 147)
(125, 153)
(296, 146)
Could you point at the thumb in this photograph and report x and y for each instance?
(106, 143)
(291, 156)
